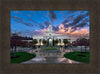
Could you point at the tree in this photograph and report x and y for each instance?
(44, 41)
(14, 42)
(34, 41)
(56, 41)
(65, 41)
(74, 43)
(86, 43)
(82, 42)
(30, 43)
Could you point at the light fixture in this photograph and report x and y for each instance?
(50, 39)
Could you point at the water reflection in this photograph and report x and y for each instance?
(50, 60)
(39, 59)
(50, 57)
(69, 61)
(61, 59)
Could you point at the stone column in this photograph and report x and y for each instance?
(61, 41)
(41, 41)
(62, 44)
(38, 45)
(38, 41)
(58, 41)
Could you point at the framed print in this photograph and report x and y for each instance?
(49, 37)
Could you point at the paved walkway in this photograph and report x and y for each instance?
(54, 58)
(50, 58)
(40, 59)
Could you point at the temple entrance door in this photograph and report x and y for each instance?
(50, 42)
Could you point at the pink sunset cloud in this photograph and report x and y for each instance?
(42, 32)
(77, 33)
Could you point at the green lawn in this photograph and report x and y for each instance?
(78, 56)
(50, 48)
(21, 57)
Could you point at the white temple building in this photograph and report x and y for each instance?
(50, 36)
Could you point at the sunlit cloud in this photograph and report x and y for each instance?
(75, 34)
(42, 32)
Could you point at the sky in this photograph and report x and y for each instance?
(71, 23)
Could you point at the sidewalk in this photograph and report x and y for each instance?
(40, 59)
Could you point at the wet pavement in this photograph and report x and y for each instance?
(43, 57)
(49, 57)
(40, 59)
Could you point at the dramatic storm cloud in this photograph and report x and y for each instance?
(70, 23)
(46, 23)
(19, 20)
(77, 21)
(52, 16)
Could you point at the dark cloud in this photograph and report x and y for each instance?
(55, 28)
(71, 17)
(65, 21)
(28, 24)
(75, 12)
(46, 23)
(17, 19)
(52, 16)
(82, 24)
(66, 30)
(70, 12)
(41, 26)
(33, 21)
(66, 25)
(85, 20)
(73, 29)
(78, 19)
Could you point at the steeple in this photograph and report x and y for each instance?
(50, 27)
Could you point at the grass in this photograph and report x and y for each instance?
(21, 57)
(78, 56)
(49, 47)
(52, 48)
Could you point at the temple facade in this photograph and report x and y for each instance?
(50, 36)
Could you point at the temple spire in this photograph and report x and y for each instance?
(50, 27)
